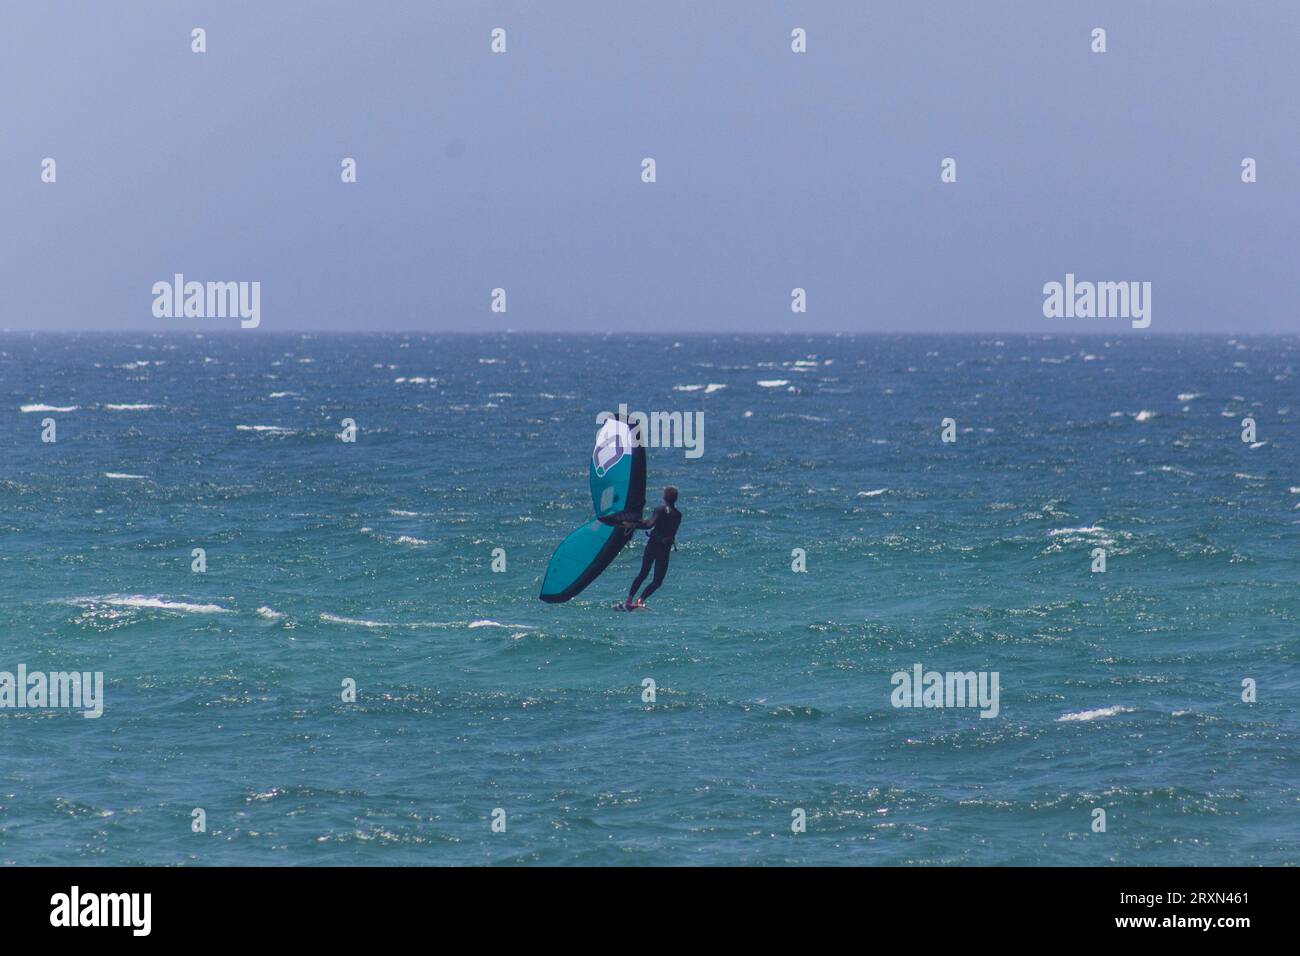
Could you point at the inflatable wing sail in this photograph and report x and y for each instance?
(617, 479)
(617, 474)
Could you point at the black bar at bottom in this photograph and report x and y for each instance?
(300, 905)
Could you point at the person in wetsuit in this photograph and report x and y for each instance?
(663, 525)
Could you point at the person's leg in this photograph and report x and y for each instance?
(647, 558)
(661, 568)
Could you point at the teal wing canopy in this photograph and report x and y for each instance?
(617, 479)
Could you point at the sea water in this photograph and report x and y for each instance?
(831, 541)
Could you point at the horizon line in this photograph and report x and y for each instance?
(693, 333)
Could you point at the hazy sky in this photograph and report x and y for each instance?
(522, 170)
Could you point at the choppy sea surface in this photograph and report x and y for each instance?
(372, 561)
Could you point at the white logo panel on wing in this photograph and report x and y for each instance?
(612, 442)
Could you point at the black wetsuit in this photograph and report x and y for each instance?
(666, 520)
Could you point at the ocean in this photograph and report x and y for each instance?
(491, 728)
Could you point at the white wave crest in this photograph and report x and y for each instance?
(363, 622)
(354, 621)
(153, 603)
(1095, 714)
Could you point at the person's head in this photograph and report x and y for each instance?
(670, 494)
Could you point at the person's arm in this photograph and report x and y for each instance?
(645, 522)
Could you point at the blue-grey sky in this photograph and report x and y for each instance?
(775, 170)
